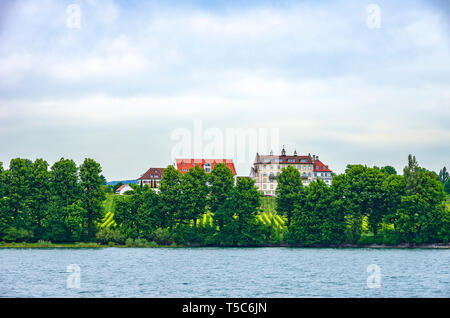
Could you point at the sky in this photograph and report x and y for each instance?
(129, 83)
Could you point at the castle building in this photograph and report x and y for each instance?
(266, 169)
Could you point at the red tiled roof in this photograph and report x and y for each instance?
(184, 165)
(152, 174)
(283, 159)
(121, 187)
(320, 167)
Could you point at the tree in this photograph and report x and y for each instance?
(170, 194)
(4, 220)
(39, 194)
(16, 203)
(317, 220)
(194, 192)
(62, 220)
(221, 182)
(236, 218)
(64, 181)
(289, 187)
(389, 170)
(93, 195)
(422, 212)
(447, 187)
(443, 175)
(363, 196)
(393, 188)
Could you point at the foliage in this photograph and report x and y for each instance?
(364, 205)
(443, 175)
(93, 195)
(107, 235)
(289, 188)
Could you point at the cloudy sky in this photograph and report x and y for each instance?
(118, 87)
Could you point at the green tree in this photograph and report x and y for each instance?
(236, 218)
(16, 203)
(388, 170)
(170, 194)
(61, 222)
(316, 220)
(447, 187)
(422, 213)
(221, 182)
(393, 189)
(93, 195)
(194, 192)
(362, 192)
(39, 194)
(289, 188)
(4, 213)
(443, 175)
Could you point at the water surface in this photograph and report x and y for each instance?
(224, 272)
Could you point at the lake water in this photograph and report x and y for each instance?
(224, 272)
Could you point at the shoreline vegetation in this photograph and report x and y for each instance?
(49, 245)
(364, 207)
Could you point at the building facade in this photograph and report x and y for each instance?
(266, 169)
(322, 171)
(152, 177)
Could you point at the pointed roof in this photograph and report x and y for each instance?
(320, 167)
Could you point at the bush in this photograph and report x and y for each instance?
(162, 236)
(107, 235)
(13, 234)
(129, 242)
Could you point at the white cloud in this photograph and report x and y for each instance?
(314, 71)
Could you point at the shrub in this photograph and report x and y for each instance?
(107, 235)
(162, 236)
(13, 234)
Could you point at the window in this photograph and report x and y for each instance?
(291, 160)
(271, 167)
(266, 160)
(207, 167)
(184, 169)
(271, 186)
(264, 167)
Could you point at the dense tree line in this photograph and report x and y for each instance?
(395, 209)
(59, 204)
(63, 203)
